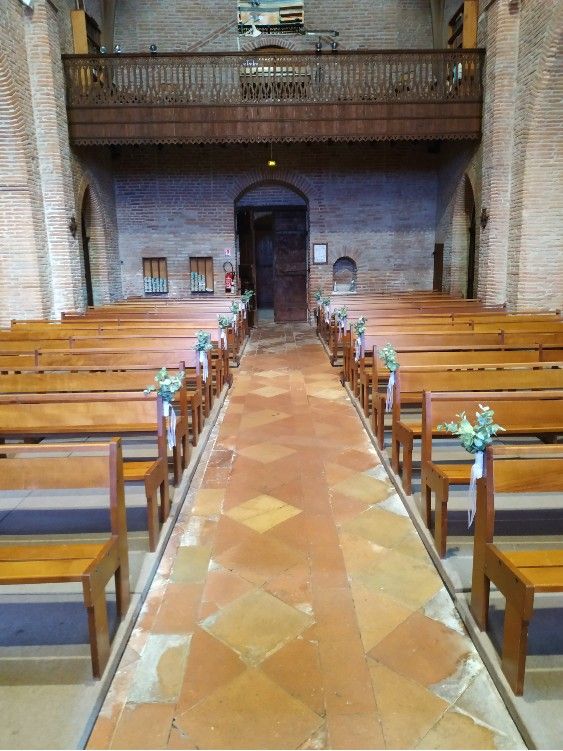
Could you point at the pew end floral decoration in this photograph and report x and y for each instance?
(224, 322)
(342, 318)
(389, 356)
(247, 296)
(202, 347)
(360, 331)
(474, 437)
(167, 386)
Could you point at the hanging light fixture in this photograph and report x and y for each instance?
(271, 161)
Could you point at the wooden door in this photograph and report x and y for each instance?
(264, 248)
(290, 269)
(87, 266)
(438, 267)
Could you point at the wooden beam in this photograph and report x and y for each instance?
(79, 34)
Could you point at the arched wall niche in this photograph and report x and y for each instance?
(344, 274)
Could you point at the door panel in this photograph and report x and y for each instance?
(290, 269)
(265, 269)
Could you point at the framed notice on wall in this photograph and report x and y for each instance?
(320, 253)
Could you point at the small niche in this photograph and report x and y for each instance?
(344, 272)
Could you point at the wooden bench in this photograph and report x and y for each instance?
(536, 413)
(465, 358)
(518, 575)
(413, 382)
(189, 402)
(94, 414)
(90, 564)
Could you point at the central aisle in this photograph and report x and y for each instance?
(295, 606)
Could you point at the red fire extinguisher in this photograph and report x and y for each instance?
(229, 276)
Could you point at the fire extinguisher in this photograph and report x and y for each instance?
(229, 276)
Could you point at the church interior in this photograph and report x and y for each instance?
(281, 374)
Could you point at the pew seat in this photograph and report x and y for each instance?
(92, 564)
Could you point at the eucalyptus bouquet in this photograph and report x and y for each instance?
(247, 296)
(167, 386)
(203, 343)
(359, 330)
(360, 325)
(318, 296)
(474, 438)
(341, 317)
(202, 347)
(389, 356)
(224, 322)
(234, 307)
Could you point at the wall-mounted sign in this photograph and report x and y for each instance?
(320, 253)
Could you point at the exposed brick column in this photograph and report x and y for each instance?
(535, 274)
(47, 85)
(22, 272)
(499, 26)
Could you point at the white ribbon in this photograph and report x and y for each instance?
(204, 364)
(358, 349)
(168, 411)
(476, 472)
(389, 398)
(223, 337)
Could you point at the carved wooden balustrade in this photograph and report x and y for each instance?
(198, 98)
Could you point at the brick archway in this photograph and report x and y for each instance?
(106, 272)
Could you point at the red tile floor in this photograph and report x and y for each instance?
(295, 606)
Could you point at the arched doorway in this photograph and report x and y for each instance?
(85, 228)
(271, 223)
(471, 233)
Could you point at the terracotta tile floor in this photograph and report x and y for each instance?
(295, 606)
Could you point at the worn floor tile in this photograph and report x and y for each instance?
(250, 712)
(295, 606)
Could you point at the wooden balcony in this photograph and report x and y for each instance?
(245, 98)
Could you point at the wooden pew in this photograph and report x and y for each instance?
(91, 564)
(108, 358)
(519, 575)
(465, 358)
(540, 413)
(413, 382)
(134, 380)
(94, 414)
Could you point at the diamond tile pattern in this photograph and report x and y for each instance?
(266, 452)
(263, 512)
(256, 625)
(296, 606)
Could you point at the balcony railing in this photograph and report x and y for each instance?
(247, 97)
(292, 78)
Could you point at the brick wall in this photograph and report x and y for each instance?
(368, 202)
(41, 180)
(521, 253)
(188, 24)
(382, 205)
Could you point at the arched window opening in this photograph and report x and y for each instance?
(344, 275)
